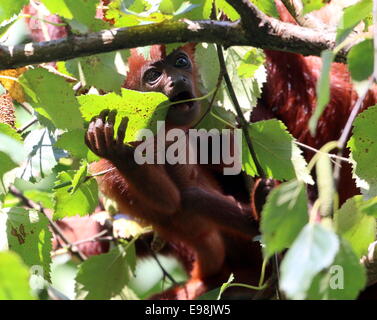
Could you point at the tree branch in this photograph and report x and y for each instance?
(257, 30)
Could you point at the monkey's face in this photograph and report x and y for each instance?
(173, 76)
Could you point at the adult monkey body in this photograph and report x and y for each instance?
(183, 202)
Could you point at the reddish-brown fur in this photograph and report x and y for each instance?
(186, 205)
(290, 95)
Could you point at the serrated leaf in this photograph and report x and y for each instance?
(322, 90)
(276, 151)
(8, 8)
(284, 215)
(251, 62)
(29, 235)
(14, 278)
(82, 202)
(313, 250)
(352, 16)
(247, 94)
(52, 97)
(104, 276)
(143, 109)
(361, 60)
(99, 71)
(364, 149)
(343, 280)
(353, 224)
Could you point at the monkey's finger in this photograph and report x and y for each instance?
(90, 139)
(122, 130)
(99, 135)
(111, 117)
(104, 114)
(109, 130)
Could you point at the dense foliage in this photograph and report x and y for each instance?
(44, 161)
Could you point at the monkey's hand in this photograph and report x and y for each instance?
(100, 137)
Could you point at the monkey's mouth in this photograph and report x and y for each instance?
(184, 95)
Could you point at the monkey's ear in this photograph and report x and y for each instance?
(189, 48)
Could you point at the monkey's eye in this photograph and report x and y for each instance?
(182, 62)
(151, 75)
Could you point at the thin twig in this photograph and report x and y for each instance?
(27, 125)
(330, 155)
(164, 272)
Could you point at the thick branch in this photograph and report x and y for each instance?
(269, 33)
(259, 31)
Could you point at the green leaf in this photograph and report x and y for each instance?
(104, 276)
(169, 6)
(100, 71)
(201, 11)
(228, 10)
(208, 66)
(267, 6)
(52, 97)
(322, 90)
(210, 295)
(218, 118)
(143, 109)
(360, 60)
(276, 151)
(251, 62)
(14, 278)
(311, 5)
(29, 235)
(42, 197)
(8, 8)
(354, 225)
(73, 141)
(82, 11)
(247, 90)
(364, 149)
(79, 177)
(10, 141)
(313, 250)
(82, 202)
(352, 16)
(343, 280)
(284, 215)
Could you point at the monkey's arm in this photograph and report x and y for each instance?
(149, 183)
(225, 211)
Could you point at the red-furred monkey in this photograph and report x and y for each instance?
(185, 203)
(191, 206)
